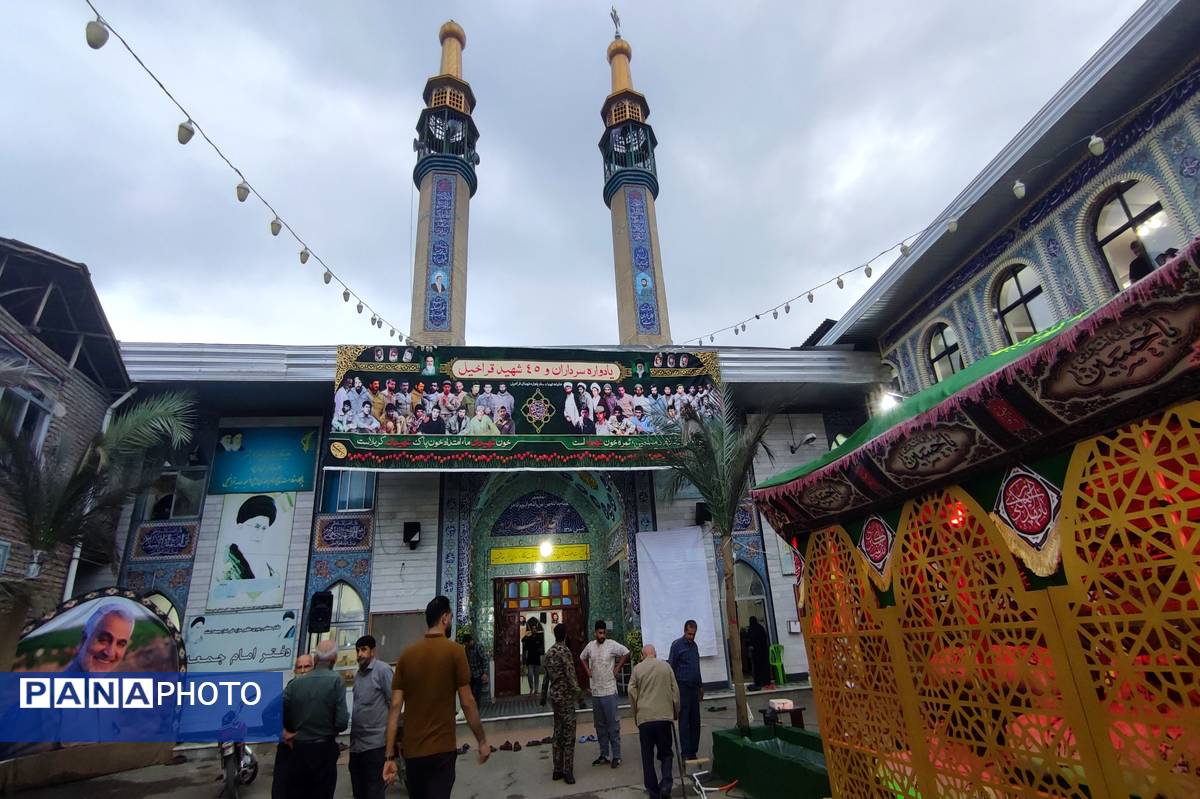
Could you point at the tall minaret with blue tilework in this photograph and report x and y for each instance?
(445, 176)
(630, 188)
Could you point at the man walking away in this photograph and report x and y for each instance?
(654, 699)
(428, 674)
(477, 660)
(603, 660)
(368, 723)
(314, 712)
(283, 752)
(685, 662)
(563, 687)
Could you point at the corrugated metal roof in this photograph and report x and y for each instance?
(149, 362)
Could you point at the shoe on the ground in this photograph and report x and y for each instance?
(616, 762)
(506, 746)
(556, 775)
(517, 746)
(549, 739)
(569, 778)
(600, 761)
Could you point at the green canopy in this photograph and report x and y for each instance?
(923, 401)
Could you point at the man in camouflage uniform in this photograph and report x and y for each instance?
(563, 687)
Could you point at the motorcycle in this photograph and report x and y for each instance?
(238, 763)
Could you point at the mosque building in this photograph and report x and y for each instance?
(351, 484)
(507, 496)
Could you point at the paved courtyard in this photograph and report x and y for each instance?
(507, 775)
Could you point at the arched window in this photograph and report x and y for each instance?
(945, 357)
(750, 595)
(164, 605)
(348, 623)
(1021, 305)
(1134, 216)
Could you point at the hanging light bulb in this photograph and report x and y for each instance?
(186, 131)
(392, 333)
(97, 33)
(276, 226)
(1096, 146)
(345, 295)
(867, 270)
(379, 324)
(304, 255)
(711, 339)
(756, 316)
(735, 330)
(243, 191)
(372, 320)
(775, 313)
(904, 250)
(810, 296)
(787, 307)
(699, 342)
(328, 276)
(743, 327)
(1018, 190)
(841, 283)
(952, 224)
(360, 306)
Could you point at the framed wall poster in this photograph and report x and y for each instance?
(251, 561)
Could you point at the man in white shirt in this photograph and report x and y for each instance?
(603, 660)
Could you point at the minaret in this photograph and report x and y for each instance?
(630, 188)
(445, 176)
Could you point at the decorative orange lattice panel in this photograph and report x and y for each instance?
(1133, 569)
(854, 682)
(984, 655)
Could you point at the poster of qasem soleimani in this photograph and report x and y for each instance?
(399, 407)
(251, 561)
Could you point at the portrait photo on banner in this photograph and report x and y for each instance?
(101, 634)
(252, 551)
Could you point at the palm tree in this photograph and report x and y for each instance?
(60, 499)
(716, 457)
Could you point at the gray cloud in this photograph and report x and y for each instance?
(796, 140)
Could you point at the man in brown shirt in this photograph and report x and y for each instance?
(427, 676)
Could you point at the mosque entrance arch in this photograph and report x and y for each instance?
(542, 546)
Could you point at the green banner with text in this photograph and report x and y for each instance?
(477, 408)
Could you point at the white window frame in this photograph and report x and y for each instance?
(44, 405)
(343, 491)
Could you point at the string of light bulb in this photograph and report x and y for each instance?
(96, 33)
(1096, 147)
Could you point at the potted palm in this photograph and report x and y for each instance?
(61, 499)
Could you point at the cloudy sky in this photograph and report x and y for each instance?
(796, 139)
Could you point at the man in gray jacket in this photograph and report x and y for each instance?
(654, 699)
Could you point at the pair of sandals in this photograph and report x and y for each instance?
(509, 746)
(583, 739)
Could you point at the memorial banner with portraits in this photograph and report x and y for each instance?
(252, 551)
(490, 409)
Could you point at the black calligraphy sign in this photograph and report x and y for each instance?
(342, 533)
(161, 541)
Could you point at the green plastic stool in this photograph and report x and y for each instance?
(775, 658)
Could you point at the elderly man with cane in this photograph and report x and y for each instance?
(654, 699)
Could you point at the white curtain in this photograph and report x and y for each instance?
(674, 581)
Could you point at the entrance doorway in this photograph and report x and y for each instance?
(552, 599)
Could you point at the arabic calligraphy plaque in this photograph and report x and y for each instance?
(1126, 353)
(932, 452)
(344, 532)
(164, 541)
